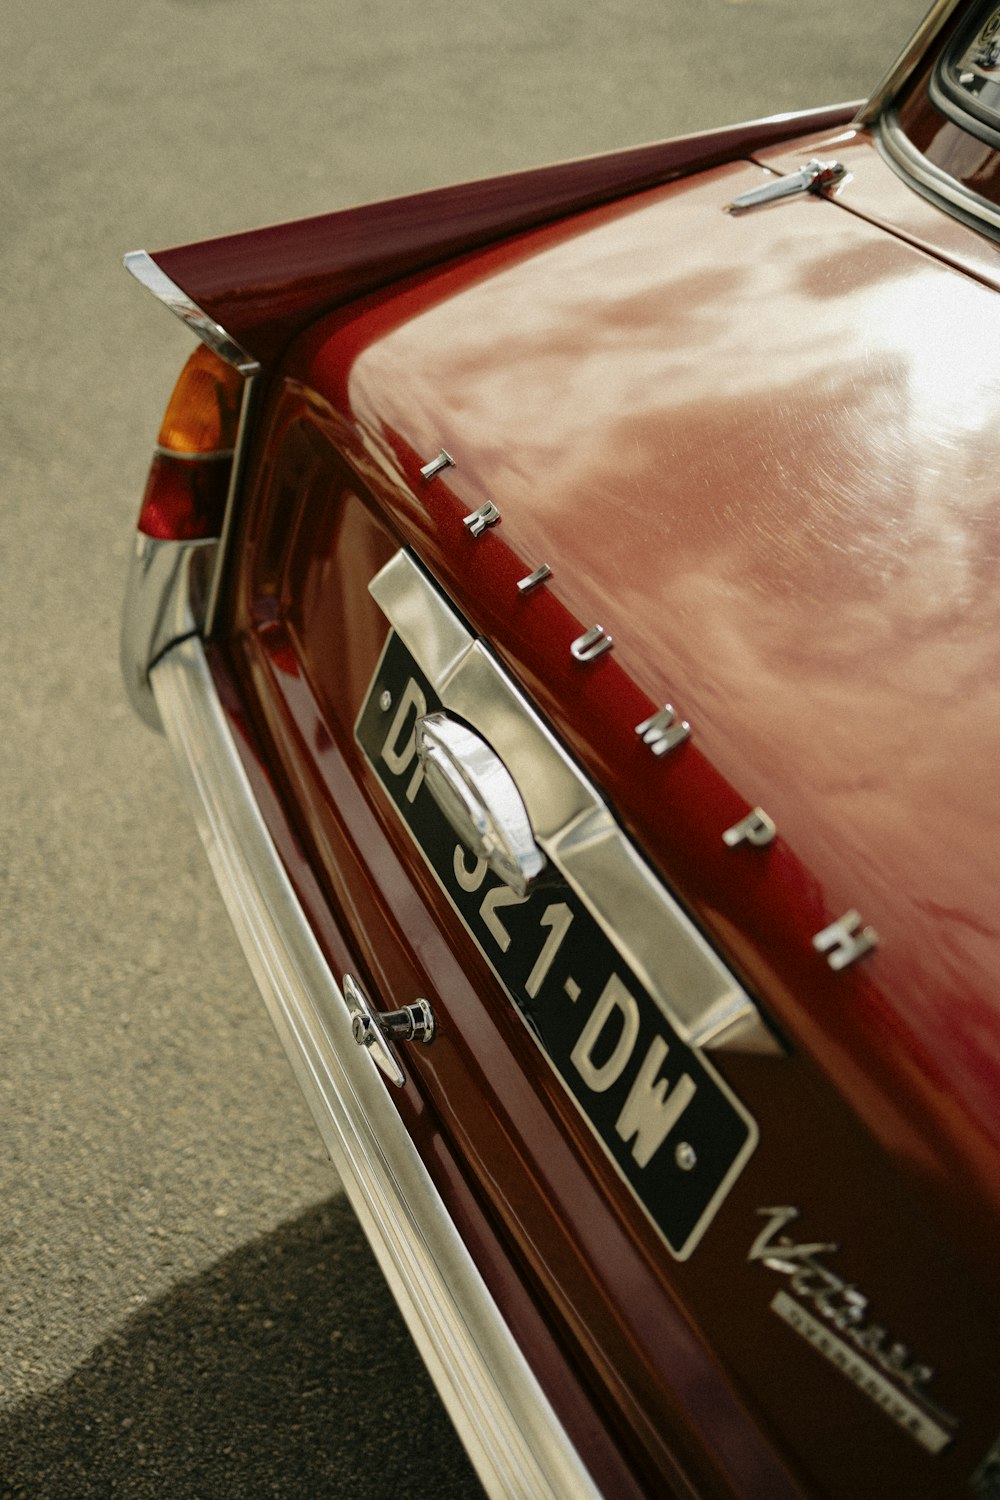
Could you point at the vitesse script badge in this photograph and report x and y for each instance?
(832, 1315)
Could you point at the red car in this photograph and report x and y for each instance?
(572, 603)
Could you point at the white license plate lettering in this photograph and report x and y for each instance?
(399, 747)
(497, 896)
(557, 919)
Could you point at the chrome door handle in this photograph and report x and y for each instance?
(811, 178)
(376, 1029)
(479, 797)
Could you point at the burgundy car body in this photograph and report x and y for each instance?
(755, 450)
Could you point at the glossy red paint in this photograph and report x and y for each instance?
(265, 286)
(482, 1076)
(758, 450)
(749, 449)
(754, 450)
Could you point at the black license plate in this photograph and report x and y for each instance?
(673, 1130)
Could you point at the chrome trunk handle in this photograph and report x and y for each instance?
(376, 1029)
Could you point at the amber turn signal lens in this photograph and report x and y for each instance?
(204, 409)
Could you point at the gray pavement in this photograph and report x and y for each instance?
(188, 1308)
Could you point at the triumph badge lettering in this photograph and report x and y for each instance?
(842, 943)
(756, 829)
(861, 1350)
(478, 520)
(664, 1118)
(664, 731)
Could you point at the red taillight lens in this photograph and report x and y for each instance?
(185, 498)
(189, 478)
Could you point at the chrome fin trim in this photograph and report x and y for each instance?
(503, 1417)
(145, 270)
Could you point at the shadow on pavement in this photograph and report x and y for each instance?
(283, 1370)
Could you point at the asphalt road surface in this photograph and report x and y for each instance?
(188, 1307)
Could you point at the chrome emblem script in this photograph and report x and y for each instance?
(860, 1349)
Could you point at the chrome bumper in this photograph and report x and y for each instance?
(165, 594)
(509, 1429)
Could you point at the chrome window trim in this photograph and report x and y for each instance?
(906, 63)
(899, 151)
(145, 270)
(958, 106)
(512, 1435)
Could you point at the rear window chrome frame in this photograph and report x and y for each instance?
(879, 116)
(931, 181)
(955, 103)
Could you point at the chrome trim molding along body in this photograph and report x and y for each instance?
(251, 388)
(145, 270)
(166, 582)
(509, 1429)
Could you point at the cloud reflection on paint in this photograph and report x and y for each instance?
(764, 450)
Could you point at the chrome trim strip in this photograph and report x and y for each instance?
(572, 824)
(513, 1437)
(906, 63)
(164, 584)
(186, 456)
(899, 151)
(145, 270)
(247, 406)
